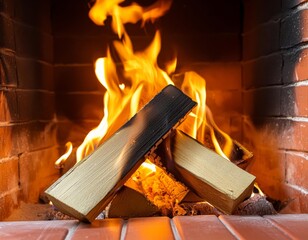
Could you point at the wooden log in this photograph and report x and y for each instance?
(87, 188)
(214, 178)
(129, 203)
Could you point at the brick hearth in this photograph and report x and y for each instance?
(193, 227)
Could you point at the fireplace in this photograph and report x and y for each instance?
(251, 53)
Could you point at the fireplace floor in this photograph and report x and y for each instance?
(284, 226)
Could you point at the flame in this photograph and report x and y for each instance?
(141, 78)
(69, 148)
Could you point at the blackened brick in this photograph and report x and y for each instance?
(35, 105)
(78, 22)
(78, 106)
(8, 106)
(257, 12)
(34, 13)
(295, 65)
(8, 76)
(7, 7)
(70, 78)
(294, 29)
(287, 4)
(295, 101)
(77, 49)
(262, 102)
(193, 17)
(261, 41)
(32, 43)
(33, 74)
(7, 33)
(264, 71)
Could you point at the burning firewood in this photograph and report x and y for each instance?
(130, 203)
(87, 188)
(159, 187)
(212, 177)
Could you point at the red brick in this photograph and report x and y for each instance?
(99, 229)
(264, 71)
(218, 76)
(296, 199)
(19, 138)
(294, 29)
(201, 227)
(296, 169)
(261, 41)
(268, 165)
(294, 68)
(9, 174)
(224, 101)
(290, 134)
(295, 101)
(37, 172)
(149, 228)
(294, 136)
(254, 227)
(295, 226)
(49, 230)
(8, 202)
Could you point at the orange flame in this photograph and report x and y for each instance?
(142, 78)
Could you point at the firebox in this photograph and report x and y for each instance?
(251, 53)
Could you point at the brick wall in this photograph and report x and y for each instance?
(275, 95)
(254, 67)
(27, 125)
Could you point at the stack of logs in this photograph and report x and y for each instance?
(188, 178)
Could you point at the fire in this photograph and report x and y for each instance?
(141, 78)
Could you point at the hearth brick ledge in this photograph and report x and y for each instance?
(287, 226)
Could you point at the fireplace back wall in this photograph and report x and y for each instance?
(50, 95)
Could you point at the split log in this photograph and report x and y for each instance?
(214, 178)
(87, 188)
(129, 203)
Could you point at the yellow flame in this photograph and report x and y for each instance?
(61, 160)
(141, 78)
